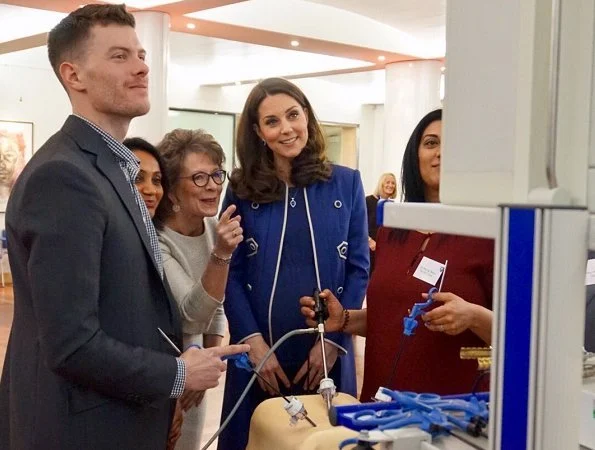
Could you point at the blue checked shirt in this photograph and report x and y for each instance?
(130, 167)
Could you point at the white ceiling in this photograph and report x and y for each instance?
(410, 27)
(202, 60)
(199, 60)
(18, 22)
(420, 18)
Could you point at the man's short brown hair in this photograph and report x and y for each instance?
(66, 40)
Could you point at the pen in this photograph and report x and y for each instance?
(169, 341)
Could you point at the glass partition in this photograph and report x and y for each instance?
(220, 125)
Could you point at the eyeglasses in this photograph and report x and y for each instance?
(201, 179)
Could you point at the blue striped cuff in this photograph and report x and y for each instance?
(180, 381)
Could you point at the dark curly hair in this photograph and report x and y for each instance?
(256, 178)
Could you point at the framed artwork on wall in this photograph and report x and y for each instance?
(16, 148)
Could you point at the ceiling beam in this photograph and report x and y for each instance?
(282, 40)
(16, 45)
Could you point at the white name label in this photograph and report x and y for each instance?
(429, 271)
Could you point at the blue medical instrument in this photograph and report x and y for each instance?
(432, 413)
(410, 322)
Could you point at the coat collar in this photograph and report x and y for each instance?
(91, 141)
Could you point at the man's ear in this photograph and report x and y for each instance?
(69, 72)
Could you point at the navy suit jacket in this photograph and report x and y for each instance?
(85, 366)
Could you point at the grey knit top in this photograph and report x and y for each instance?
(184, 261)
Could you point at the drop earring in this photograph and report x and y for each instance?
(175, 208)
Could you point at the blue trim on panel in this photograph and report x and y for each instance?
(380, 211)
(517, 340)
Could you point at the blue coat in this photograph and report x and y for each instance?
(339, 222)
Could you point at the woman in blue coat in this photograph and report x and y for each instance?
(304, 224)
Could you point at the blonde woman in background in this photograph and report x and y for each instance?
(386, 189)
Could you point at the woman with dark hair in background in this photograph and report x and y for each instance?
(305, 226)
(150, 180)
(462, 316)
(385, 189)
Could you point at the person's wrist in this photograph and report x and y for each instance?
(221, 259)
(254, 340)
(346, 316)
(474, 312)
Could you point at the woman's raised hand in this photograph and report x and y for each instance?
(229, 233)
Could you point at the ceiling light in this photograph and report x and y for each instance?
(381, 58)
(295, 43)
(190, 26)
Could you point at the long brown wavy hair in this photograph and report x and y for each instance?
(256, 178)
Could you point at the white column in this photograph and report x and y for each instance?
(152, 29)
(412, 90)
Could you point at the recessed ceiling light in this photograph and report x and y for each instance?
(190, 26)
(295, 43)
(381, 58)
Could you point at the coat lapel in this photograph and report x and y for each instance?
(112, 171)
(89, 140)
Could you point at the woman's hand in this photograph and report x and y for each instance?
(271, 370)
(316, 372)
(335, 311)
(229, 233)
(372, 244)
(453, 317)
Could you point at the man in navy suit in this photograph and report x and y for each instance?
(86, 366)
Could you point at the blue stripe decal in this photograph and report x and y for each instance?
(517, 344)
(380, 212)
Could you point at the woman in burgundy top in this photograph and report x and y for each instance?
(462, 317)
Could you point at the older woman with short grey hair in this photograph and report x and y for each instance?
(197, 249)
